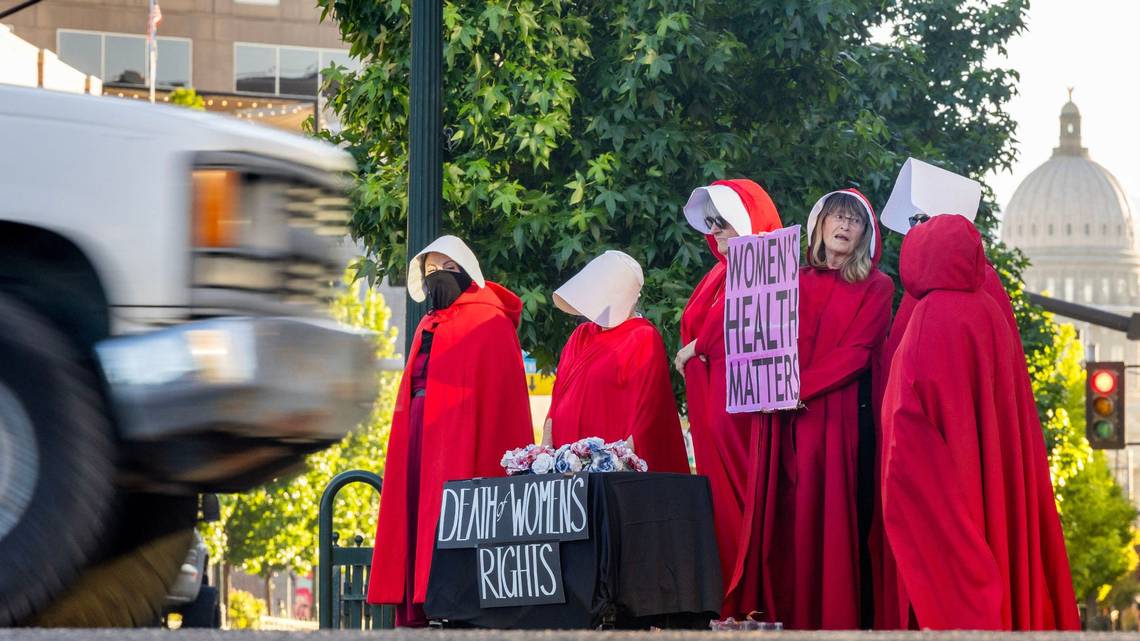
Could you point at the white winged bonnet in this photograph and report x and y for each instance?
(453, 248)
(605, 290)
(922, 188)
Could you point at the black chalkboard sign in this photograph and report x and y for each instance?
(529, 507)
(520, 574)
(516, 525)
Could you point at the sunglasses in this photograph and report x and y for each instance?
(918, 219)
(716, 221)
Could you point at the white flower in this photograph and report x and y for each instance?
(543, 464)
(575, 464)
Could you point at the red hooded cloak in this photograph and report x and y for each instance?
(614, 383)
(891, 603)
(728, 447)
(842, 326)
(476, 408)
(967, 504)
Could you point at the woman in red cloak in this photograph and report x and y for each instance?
(613, 375)
(731, 450)
(462, 402)
(967, 504)
(845, 307)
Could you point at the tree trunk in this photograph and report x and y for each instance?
(269, 592)
(1092, 616)
(226, 589)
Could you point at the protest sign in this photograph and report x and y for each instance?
(516, 525)
(761, 322)
(520, 574)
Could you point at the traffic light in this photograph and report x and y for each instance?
(1104, 405)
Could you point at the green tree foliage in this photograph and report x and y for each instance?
(275, 526)
(187, 97)
(1096, 516)
(577, 127)
(1097, 519)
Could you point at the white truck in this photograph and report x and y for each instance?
(162, 334)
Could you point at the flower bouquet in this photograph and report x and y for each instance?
(587, 455)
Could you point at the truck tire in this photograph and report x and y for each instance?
(56, 462)
(124, 592)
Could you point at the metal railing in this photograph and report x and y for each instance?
(342, 572)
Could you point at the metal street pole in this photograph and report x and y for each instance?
(425, 153)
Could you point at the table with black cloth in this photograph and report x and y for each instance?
(651, 559)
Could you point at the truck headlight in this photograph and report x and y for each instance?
(217, 213)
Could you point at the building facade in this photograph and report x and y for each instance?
(1072, 219)
(248, 53)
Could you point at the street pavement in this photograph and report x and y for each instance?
(545, 635)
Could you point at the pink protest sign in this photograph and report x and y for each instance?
(761, 322)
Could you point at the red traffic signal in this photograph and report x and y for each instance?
(1103, 381)
(1104, 405)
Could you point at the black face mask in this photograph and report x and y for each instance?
(443, 287)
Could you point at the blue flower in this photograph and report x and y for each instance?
(602, 461)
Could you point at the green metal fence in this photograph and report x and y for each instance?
(342, 572)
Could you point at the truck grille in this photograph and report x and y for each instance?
(320, 209)
(291, 248)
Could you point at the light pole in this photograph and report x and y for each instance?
(425, 153)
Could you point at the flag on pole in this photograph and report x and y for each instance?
(153, 20)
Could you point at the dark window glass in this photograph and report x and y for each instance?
(84, 51)
(173, 63)
(255, 69)
(299, 72)
(124, 60)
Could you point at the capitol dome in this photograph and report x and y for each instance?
(1070, 201)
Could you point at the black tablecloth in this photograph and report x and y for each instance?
(651, 559)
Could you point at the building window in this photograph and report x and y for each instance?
(255, 69)
(1051, 286)
(1033, 230)
(1086, 229)
(1069, 289)
(1068, 229)
(1104, 230)
(1105, 289)
(1050, 230)
(1120, 286)
(1088, 292)
(284, 71)
(121, 57)
(1117, 352)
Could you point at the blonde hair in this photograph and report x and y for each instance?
(857, 266)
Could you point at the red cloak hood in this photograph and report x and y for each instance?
(761, 210)
(945, 253)
(476, 407)
(967, 504)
